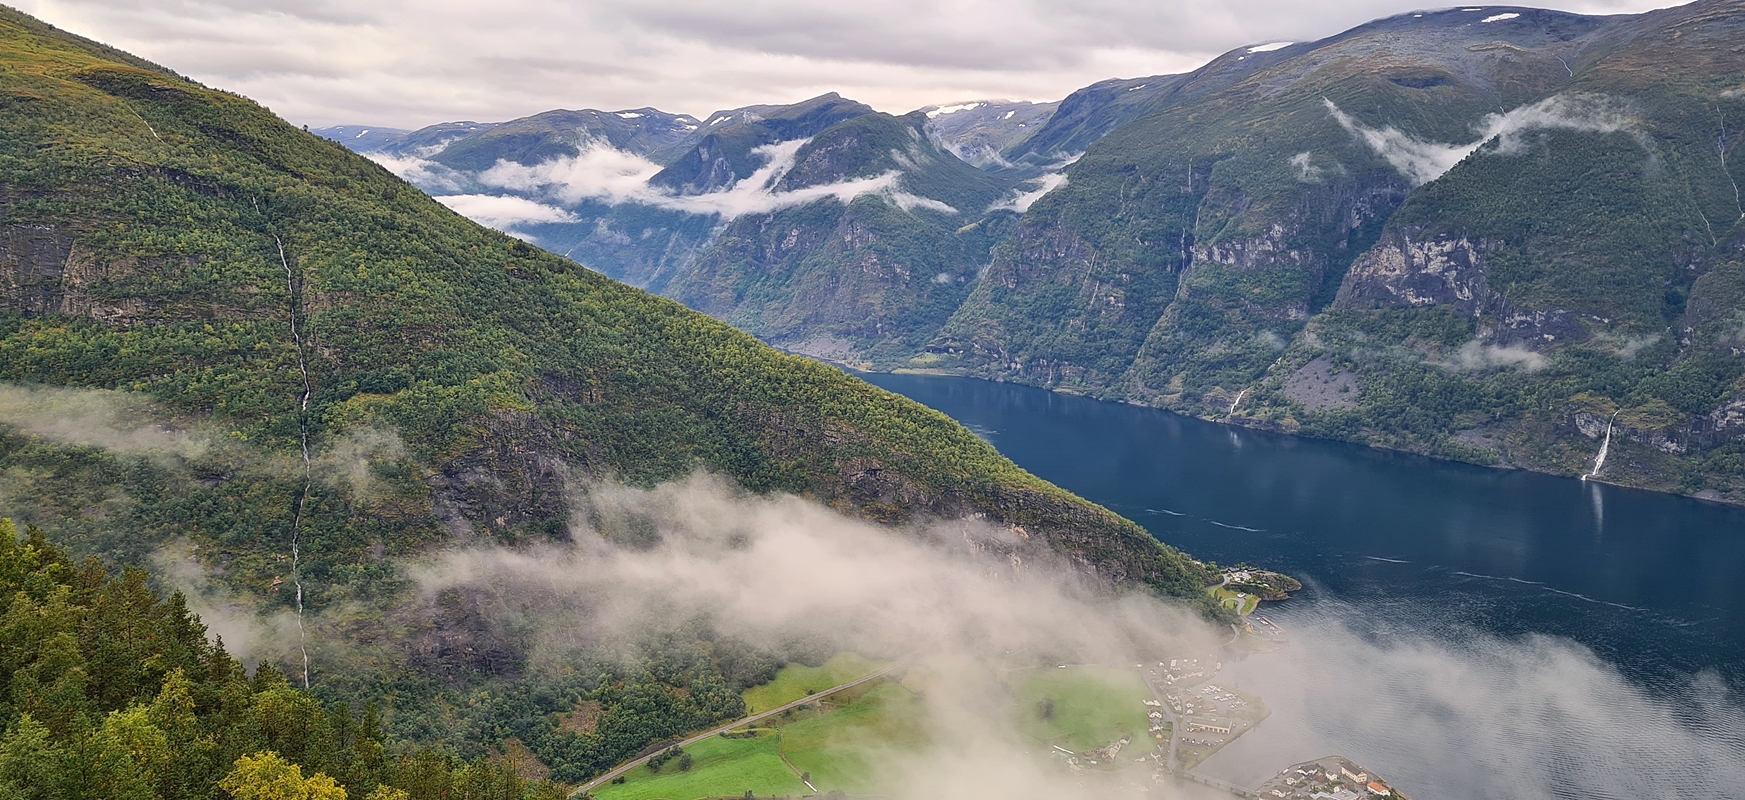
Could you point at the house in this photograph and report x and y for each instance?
(1379, 788)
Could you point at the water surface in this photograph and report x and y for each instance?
(1396, 545)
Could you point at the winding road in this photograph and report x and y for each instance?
(811, 698)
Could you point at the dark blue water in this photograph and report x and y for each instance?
(1652, 583)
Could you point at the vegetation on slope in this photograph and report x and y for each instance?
(1276, 252)
(113, 693)
(364, 375)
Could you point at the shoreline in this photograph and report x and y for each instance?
(1240, 422)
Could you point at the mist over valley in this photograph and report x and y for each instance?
(1337, 409)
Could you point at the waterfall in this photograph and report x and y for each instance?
(1600, 460)
(1238, 402)
(294, 288)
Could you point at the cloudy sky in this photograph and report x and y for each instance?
(409, 63)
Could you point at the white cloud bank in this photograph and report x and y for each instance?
(422, 173)
(1453, 716)
(1421, 161)
(1022, 199)
(505, 213)
(603, 174)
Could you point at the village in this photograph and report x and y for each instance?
(1190, 717)
(1329, 778)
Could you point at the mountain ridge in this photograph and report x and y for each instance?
(1191, 240)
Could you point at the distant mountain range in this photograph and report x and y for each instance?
(1478, 233)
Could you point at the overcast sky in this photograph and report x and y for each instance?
(408, 63)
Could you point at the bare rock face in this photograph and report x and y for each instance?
(1408, 269)
(1403, 270)
(513, 477)
(32, 260)
(1723, 425)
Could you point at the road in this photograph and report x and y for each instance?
(1175, 723)
(811, 698)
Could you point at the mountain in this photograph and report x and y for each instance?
(363, 138)
(1487, 234)
(553, 134)
(879, 270)
(980, 130)
(1097, 110)
(823, 225)
(268, 363)
(1474, 234)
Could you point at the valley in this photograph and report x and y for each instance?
(1456, 233)
(1378, 394)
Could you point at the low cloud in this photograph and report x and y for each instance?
(349, 461)
(1628, 347)
(109, 420)
(598, 172)
(1476, 355)
(247, 633)
(1053, 177)
(1421, 161)
(1460, 716)
(1022, 199)
(601, 173)
(1307, 172)
(770, 568)
(1470, 715)
(423, 173)
(504, 212)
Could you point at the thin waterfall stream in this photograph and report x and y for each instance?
(295, 293)
(1605, 446)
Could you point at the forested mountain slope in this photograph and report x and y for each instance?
(115, 693)
(1478, 233)
(241, 348)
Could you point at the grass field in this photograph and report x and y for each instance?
(721, 767)
(837, 748)
(797, 680)
(1243, 605)
(1081, 708)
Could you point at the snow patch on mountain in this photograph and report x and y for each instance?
(954, 109)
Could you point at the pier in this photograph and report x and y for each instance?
(1220, 785)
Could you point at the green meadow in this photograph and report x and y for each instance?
(836, 747)
(1080, 708)
(720, 767)
(798, 680)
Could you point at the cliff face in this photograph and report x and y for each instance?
(1447, 232)
(868, 276)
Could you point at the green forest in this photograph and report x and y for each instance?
(114, 692)
(237, 353)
